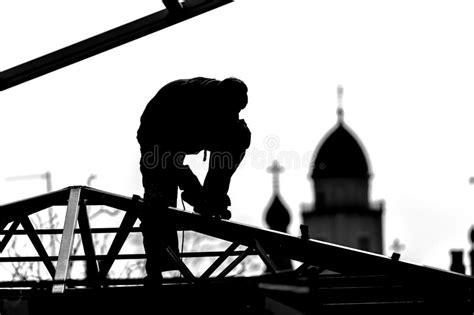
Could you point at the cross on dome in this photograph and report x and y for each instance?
(340, 110)
(276, 169)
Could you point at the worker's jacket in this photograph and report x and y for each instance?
(186, 116)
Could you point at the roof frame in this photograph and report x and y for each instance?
(258, 241)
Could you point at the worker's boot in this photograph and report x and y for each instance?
(215, 207)
(219, 205)
(197, 201)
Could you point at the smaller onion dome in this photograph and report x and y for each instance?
(277, 215)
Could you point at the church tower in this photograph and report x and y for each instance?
(342, 212)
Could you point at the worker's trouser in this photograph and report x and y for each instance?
(163, 172)
(161, 181)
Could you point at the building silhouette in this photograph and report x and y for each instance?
(457, 263)
(341, 175)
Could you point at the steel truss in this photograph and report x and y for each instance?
(257, 241)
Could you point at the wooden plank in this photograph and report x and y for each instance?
(67, 241)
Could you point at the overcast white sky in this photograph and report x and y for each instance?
(407, 68)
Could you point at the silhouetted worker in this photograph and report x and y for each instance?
(187, 116)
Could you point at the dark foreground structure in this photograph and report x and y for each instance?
(331, 279)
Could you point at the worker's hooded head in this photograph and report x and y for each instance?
(234, 93)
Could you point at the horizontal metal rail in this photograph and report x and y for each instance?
(123, 256)
(109, 230)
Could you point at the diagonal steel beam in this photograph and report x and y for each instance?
(265, 257)
(219, 260)
(103, 42)
(235, 262)
(181, 265)
(9, 235)
(38, 245)
(125, 227)
(87, 242)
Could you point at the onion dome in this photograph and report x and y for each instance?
(340, 154)
(277, 215)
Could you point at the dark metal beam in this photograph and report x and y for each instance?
(179, 263)
(265, 257)
(105, 230)
(235, 262)
(36, 241)
(313, 252)
(103, 42)
(217, 254)
(15, 210)
(99, 197)
(87, 242)
(9, 235)
(220, 260)
(127, 224)
(322, 254)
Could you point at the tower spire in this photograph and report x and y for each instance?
(340, 109)
(275, 169)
